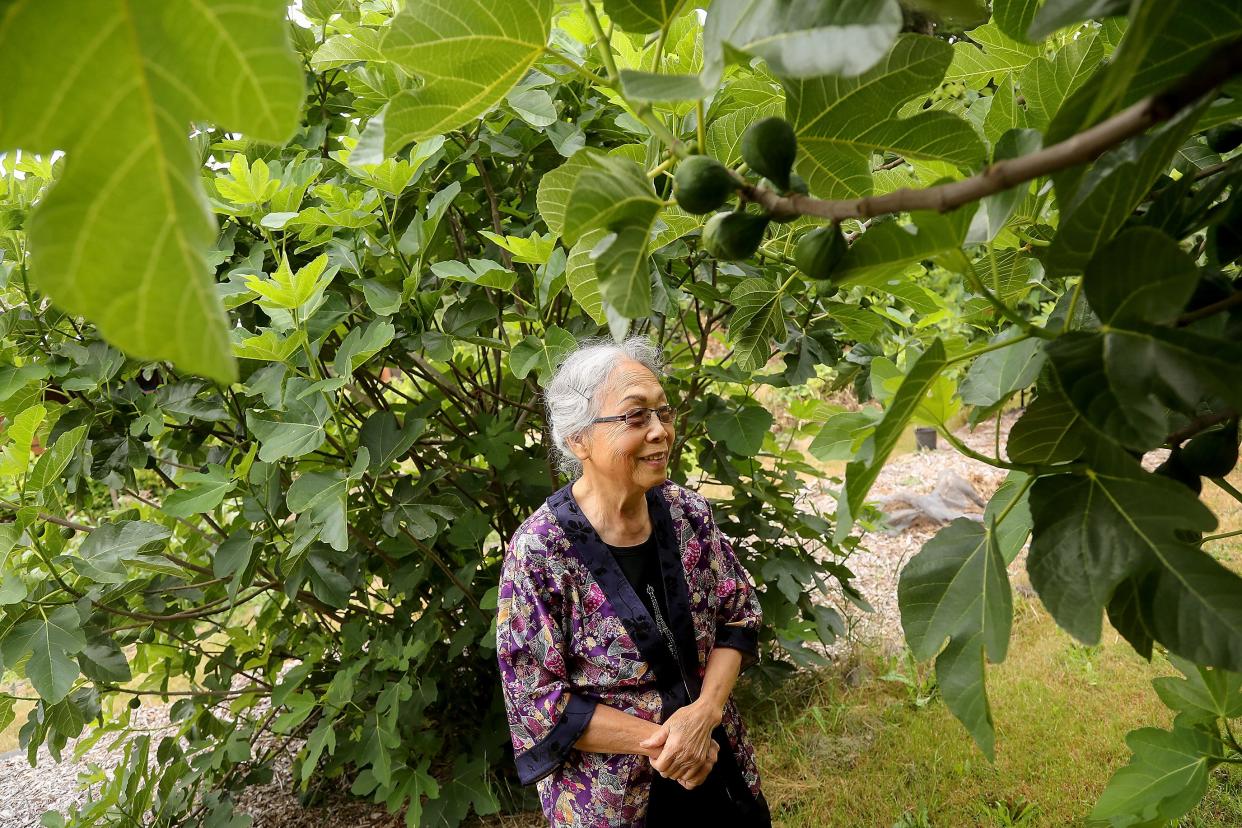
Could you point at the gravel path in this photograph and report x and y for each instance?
(26, 792)
(878, 563)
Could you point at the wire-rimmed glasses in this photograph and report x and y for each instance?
(639, 417)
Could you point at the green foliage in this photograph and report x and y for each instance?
(473, 188)
(123, 237)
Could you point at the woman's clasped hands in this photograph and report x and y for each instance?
(686, 750)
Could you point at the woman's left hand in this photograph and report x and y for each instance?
(684, 740)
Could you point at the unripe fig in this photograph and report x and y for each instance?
(819, 252)
(135, 703)
(826, 289)
(67, 532)
(702, 184)
(733, 236)
(1212, 453)
(769, 147)
(1175, 469)
(1224, 138)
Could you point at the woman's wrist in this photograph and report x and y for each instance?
(710, 709)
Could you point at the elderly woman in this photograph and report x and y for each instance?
(624, 618)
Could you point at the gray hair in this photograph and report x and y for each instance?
(575, 393)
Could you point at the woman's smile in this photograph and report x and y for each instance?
(656, 460)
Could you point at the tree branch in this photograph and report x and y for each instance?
(1082, 148)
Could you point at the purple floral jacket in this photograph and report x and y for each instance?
(571, 633)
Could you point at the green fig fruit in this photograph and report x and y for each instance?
(1175, 469)
(702, 184)
(1212, 453)
(67, 532)
(1224, 138)
(733, 236)
(135, 703)
(769, 147)
(826, 289)
(819, 252)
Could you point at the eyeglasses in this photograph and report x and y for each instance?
(639, 417)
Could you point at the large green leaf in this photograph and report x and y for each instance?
(110, 546)
(800, 38)
(860, 476)
(1055, 14)
(52, 639)
(741, 428)
(1183, 41)
(122, 237)
(556, 186)
(1047, 82)
(604, 205)
(200, 492)
(1202, 695)
(623, 272)
(295, 431)
(1093, 531)
(797, 39)
(1166, 777)
(1047, 432)
(610, 192)
(12, 586)
(468, 53)
(541, 354)
(20, 434)
(1004, 113)
(1012, 500)
(642, 15)
(757, 318)
(581, 277)
(1094, 207)
(54, 461)
(842, 435)
(995, 58)
(956, 587)
(1124, 380)
(841, 121)
(1142, 275)
(387, 441)
(1013, 17)
(1196, 608)
(996, 375)
(886, 251)
(1077, 366)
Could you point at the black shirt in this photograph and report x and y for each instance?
(718, 797)
(641, 565)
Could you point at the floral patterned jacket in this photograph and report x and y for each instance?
(572, 633)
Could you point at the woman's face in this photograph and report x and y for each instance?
(618, 452)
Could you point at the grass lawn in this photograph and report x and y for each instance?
(835, 755)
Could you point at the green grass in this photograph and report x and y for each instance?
(833, 755)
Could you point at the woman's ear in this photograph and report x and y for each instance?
(577, 444)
